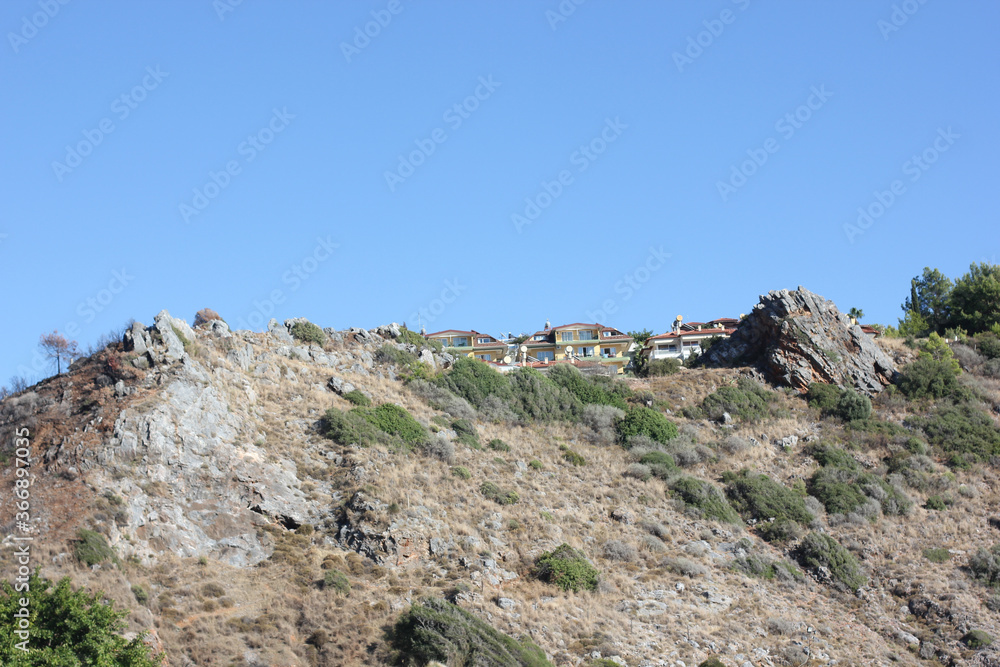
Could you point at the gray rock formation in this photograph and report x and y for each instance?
(796, 337)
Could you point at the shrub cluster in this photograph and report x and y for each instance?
(820, 550)
(748, 401)
(413, 338)
(336, 581)
(498, 495)
(843, 487)
(408, 364)
(567, 568)
(307, 332)
(961, 430)
(660, 464)
(847, 404)
(704, 498)
(91, 548)
(356, 397)
(572, 457)
(761, 498)
(435, 630)
(387, 424)
(466, 432)
(644, 421)
(600, 390)
(661, 367)
(984, 565)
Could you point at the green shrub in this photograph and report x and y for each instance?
(831, 455)
(498, 495)
(535, 464)
(853, 406)
(759, 497)
(474, 380)
(307, 332)
(141, 596)
(647, 422)
(536, 397)
(934, 374)
(937, 555)
(963, 430)
(336, 581)
(712, 661)
(414, 338)
(409, 365)
(660, 464)
(461, 472)
(704, 497)
(466, 432)
(348, 428)
(357, 398)
(572, 457)
(591, 390)
(936, 502)
(91, 548)
(837, 488)
(977, 639)
(394, 420)
(435, 630)
(820, 550)
(748, 401)
(661, 367)
(567, 568)
(984, 565)
(988, 345)
(498, 445)
(823, 396)
(876, 427)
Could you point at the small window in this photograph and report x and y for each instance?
(608, 352)
(485, 357)
(482, 341)
(586, 351)
(586, 334)
(545, 355)
(461, 341)
(607, 334)
(566, 335)
(540, 337)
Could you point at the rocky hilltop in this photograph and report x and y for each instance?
(796, 337)
(244, 529)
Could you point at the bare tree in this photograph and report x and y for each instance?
(56, 346)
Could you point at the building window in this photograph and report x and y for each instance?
(461, 341)
(566, 335)
(540, 337)
(483, 341)
(484, 357)
(586, 351)
(608, 352)
(545, 355)
(607, 334)
(586, 334)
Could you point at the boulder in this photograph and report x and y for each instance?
(795, 338)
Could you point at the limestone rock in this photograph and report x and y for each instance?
(796, 337)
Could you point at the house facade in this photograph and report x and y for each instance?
(471, 344)
(686, 339)
(579, 341)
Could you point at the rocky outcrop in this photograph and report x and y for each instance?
(796, 337)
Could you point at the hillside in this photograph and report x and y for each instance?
(250, 524)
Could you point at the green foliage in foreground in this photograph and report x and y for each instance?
(67, 629)
(705, 497)
(436, 630)
(962, 430)
(820, 550)
(567, 568)
(759, 497)
(647, 422)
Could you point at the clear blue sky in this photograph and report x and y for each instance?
(612, 120)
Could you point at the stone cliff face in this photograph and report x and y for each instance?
(797, 337)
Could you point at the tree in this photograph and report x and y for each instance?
(913, 324)
(66, 628)
(929, 297)
(56, 346)
(856, 314)
(975, 299)
(638, 361)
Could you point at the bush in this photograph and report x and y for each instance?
(572, 457)
(567, 568)
(639, 471)
(141, 596)
(91, 548)
(852, 406)
(759, 497)
(984, 565)
(435, 630)
(929, 378)
(442, 399)
(705, 497)
(536, 397)
(409, 365)
(357, 398)
(837, 488)
(498, 445)
(977, 639)
(601, 420)
(937, 555)
(618, 550)
(498, 495)
(307, 332)
(474, 380)
(348, 428)
(819, 550)
(466, 432)
(963, 430)
(336, 581)
(936, 502)
(415, 339)
(440, 447)
(660, 464)
(988, 345)
(711, 662)
(591, 390)
(461, 472)
(394, 420)
(661, 367)
(823, 396)
(647, 422)
(204, 316)
(68, 628)
(535, 464)
(748, 401)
